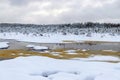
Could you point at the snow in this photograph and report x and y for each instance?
(108, 76)
(59, 38)
(105, 58)
(99, 58)
(109, 50)
(71, 51)
(84, 50)
(63, 76)
(4, 45)
(20, 54)
(55, 53)
(30, 46)
(40, 48)
(43, 68)
(37, 47)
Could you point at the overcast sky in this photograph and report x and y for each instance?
(59, 11)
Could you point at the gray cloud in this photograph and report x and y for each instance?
(63, 11)
(18, 2)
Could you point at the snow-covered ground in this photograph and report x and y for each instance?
(99, 58)
(4, 45)
(43, 68)
(58, 38)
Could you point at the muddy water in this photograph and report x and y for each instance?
(97, 46)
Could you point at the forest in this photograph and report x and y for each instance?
(64, 29)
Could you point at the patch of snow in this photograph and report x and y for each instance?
(40, 48)
(71, 51)
(21, 54)
(99, 58)
(37, 47)
(55, 52)
(109, 50)
(105, 58)
(46, 51)
(30, 46)
(84, 50)
(4, 45)
(13, 54)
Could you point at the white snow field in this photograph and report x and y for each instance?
(43, 68)
(4, 45)
(59, 38)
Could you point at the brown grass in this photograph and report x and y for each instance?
(105, 53)
(69, 41)
(94, 42)
(58, 50)
(5, 54)
(17, 53)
